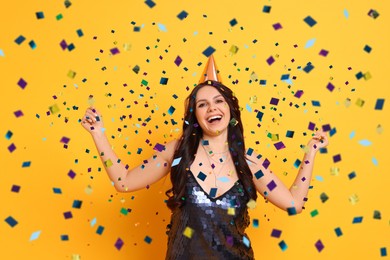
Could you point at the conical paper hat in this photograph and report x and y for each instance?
(210, 72)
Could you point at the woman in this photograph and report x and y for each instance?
(214, 178)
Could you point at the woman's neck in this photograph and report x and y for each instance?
(216, 144)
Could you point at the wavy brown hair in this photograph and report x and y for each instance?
(189, 142)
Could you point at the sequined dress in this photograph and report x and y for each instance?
(210, 228)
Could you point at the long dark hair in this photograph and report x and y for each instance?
(189, 142)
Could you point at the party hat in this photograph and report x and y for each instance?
(210, 72)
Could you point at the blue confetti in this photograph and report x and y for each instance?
(319, 178)
(310, 43)
(35, 235)
(346, 14)
(248, 107)
(162, 27)
(352, 135)
(223, 179)
(246, 241)
(1, 53)
(93, 222)
(365, 142)
(374, 161)
(176, 161)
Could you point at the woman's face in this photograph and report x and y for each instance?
(212, 111)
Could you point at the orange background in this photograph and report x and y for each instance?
(118, 91)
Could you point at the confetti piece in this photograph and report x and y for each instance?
(35, 235)
(337, 158)
(32, 45)
(148, 239)
(171, 110)
(108, 163)
(338, 232)
(11, 148)
(100, 230)
(208, 51)
(251, 204)
(367, 48)
(76, 257)
(231, 211)
(26, 164)
(365, 142)
(283, 245)
(20, 39)
(22, 83)
(377, 214)
(267, 9)
(93, 222)
(176, 161)
(40, 15)
(383, 251)
(310, 21)
(346, 13)
(114, 51)
(77, 204)
(163, 81)
(357, 220)
(297, 163)
(310, 43)
(271, 185)
(276, 233)
(319, 245)
(291, 211)
(246, 241)
(64, 238)
(259, 115)
(57, 190)
(188, 232)
(202, 176)
(71, 174)
(2, 53)
(330, 87)
(178, 61)
(150, 3)
(182, 15)
(68, 215)
(80, 33)
(373, 13)
(223, 179)
(314, 213)
(279, 145)
(379, 104)
(324, 197)
(11, 221)
(162, 27)
(213, 192)
(374, 161)
(255, 223)
(277, 26)
(233, 22)
(119, 243)
(15, 188)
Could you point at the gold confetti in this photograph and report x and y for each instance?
(188, 232)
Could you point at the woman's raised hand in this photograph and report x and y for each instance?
(92, 121)
(319, 140)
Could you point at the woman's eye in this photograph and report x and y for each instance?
(219, 101)
(201, 105)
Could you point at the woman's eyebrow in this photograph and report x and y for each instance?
(217, 96)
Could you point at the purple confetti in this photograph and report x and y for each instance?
(277, 26)
(276, 233)
(119, 243)
(114, 51)
(330, 87)
(324, 53)
(65, 140)
(22, 83)
(319, 245)
(63, 45)
(270, 60)
(159, 147)
(11, 148)
(18, 113)
(279, 145)
(178, 61)
(71, 174)
(337, 158)
(298, 94)
(311, 126)
(274, 101)
(68, 215)
(266, 163)
(271, 185)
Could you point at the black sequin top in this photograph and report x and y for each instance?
(210, 228)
